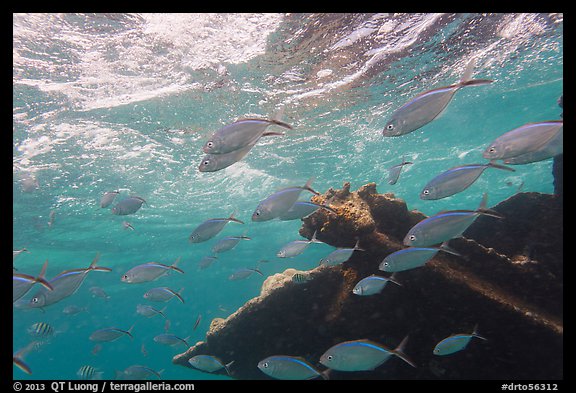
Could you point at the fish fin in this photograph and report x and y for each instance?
(227, 366)
(399, 351)
(492, 164)
(97, 268)
(174, 267)
(41, 279)
(232, 218)
(326, 374)
(444, 247)
(468, 71)
(257, 271)
(281, 124)
(161, 312)
(129, 331)
(475, 333)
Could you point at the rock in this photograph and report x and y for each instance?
(508, 282)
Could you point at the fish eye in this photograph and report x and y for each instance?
(35, 300)
(265, 365)
(257, 212)
(125, 277)
(412, 237)
(206, 163)
(210, 144)
(386, 264)
(492, 149)
(390, 127)
(329, 357)
(426, 192)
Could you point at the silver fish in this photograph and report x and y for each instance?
(149, 271)
(149, 311)
(110, 334)
(455, 343)
(301, 209)
(412, 257)
(64, 285)
(426, 106)
(15, 253)
(108, 198)
(209, 363)
(206, 262)
(243, 273)
(280, 202)
(99, 292)
(239, 134)
(372, 285)
(216, 162)
(394, 171)
(138, 373)
(170, 339)
(73, 309)
(163, 294)
(288, 368)
(361, 355)
(340, 255)
(456, 179)
(552, 148)
(22, 283)
(128, 205)
(228, 243)
(210, 228)
(522, 140)
(445, 226)
(296, 247)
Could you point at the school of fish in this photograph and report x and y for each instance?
(523, 145)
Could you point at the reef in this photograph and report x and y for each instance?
(508, 282)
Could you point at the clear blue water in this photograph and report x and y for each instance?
(106, 102)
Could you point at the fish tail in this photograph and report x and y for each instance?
(444, 247)
(475, 333)
(281, 123)
(356, 246)
(467, 75)
(177, 294)
(232, 218)
(273, 133)
(492, 164)
(392, 278)
(41, 279)
(161, 312)
(96, 268)
(227, 366)
(174, 267)
(19, 362)
(475, 82)
(257, 271)
(399, 351)
(308, 187)
(314, 240)
(129, 331)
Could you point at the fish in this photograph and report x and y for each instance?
(216, 162)
(15, 253)
(456, 179)
(73, 309)
(163, 294)
(51, 218)
(207, 261)
(143, 350)
(99, 292)
(394, 171)
(372, 285)
(149, 311)
(89, 373)
(412, 257)
(108, 198)
(171, 339)
(340, 255)
(138, 373)
(445, 225)
(296, 247)
(41, 330)
(301, 278)
(22, 283)
(239, 134)
(128, 205)
(209, 363)
(64, 284)
(228, 243)
(522, 140)
(288, 368)
(198, 319)
(455, 343)
(110, 334)
(280, 202)
(361, 355)
(552, 148)
(149, 271)
(210, 228)
(243, 273)
(426, 106)
(301, 209)
(96, 349)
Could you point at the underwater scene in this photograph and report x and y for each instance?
(328, 196)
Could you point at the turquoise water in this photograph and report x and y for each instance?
(107, 102)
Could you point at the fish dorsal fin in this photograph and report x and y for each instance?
(468, 71)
